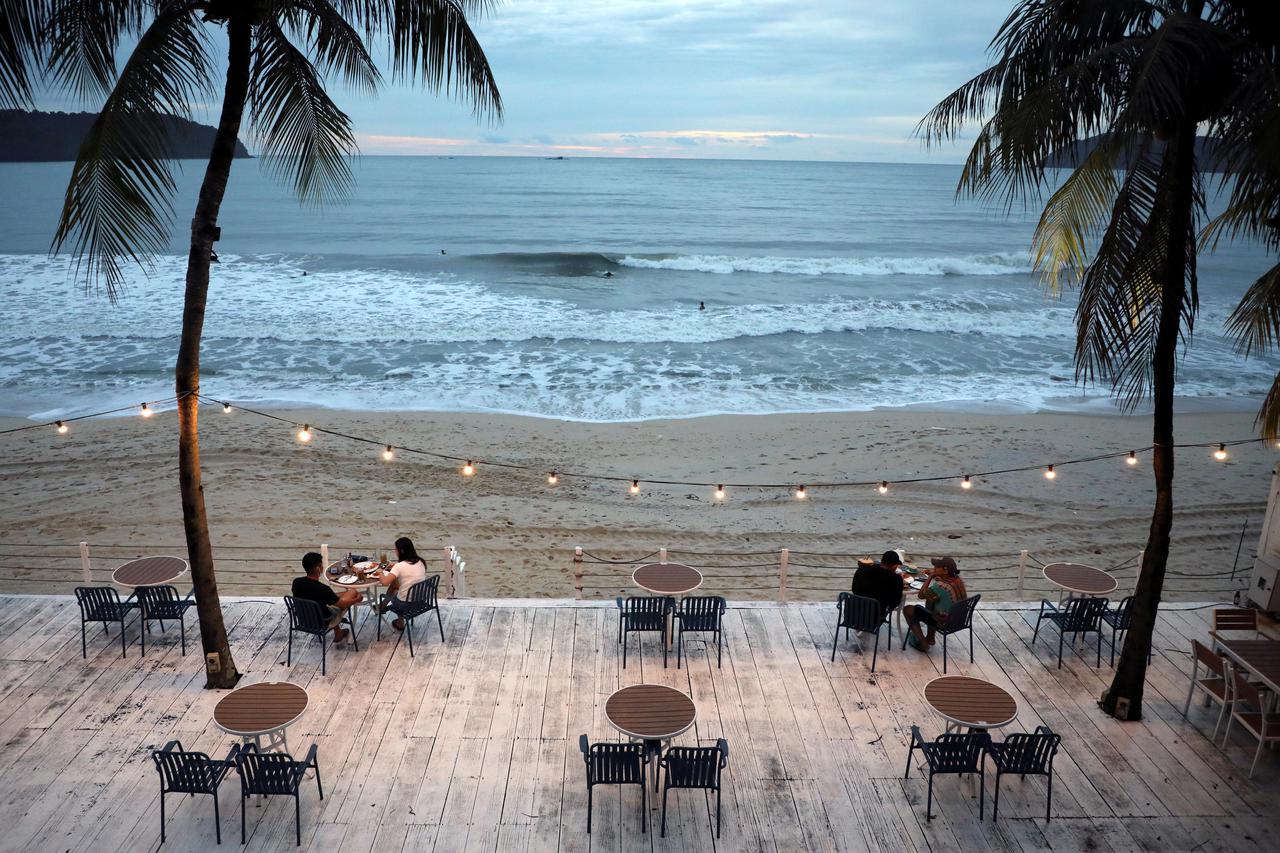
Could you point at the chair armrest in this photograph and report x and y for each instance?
(232, 755)
(585, 745)
(310, 760)
(168, 747)
(132, 600)
(247, 748)
(723, 746)
(618, 601)
(1044, 602)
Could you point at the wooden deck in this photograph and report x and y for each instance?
(473, 744)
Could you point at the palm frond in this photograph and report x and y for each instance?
(1073, 215)
(117, 204)
(333, 41)
(82, 37)
(1268, 419)
(305, 137)
(1255, 323)
(22, 24)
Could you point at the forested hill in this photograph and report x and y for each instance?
(37, 136)
(1207, 156)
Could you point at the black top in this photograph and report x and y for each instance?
(884, 585)
(313, 590)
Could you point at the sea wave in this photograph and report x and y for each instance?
(1000, 263)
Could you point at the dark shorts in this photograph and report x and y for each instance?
(333, 615)
(395, 605)
(923, 616)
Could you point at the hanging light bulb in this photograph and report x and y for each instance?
(62, 428)
(1220, 453)
(720, 493)
(304, 434)
(226, 407)
(883, 488)
(965, 483)
(635, 487)
(1049, 473)
(1132, 458)
(388, 454)
(469, 468)
(146, 413)
(801, 494)
(552, 478)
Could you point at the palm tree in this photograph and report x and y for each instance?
(1138, 77)
(118, 202)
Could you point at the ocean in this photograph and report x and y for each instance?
(575, 289)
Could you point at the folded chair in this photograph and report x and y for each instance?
(615, 764)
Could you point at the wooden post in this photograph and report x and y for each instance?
(460, 585)
(84, 563)
(662, 556)
(1022, 571)
(324, 554)
(577, 573)
(784, 559)
(450, 557)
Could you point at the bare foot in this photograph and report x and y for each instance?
(398, 624)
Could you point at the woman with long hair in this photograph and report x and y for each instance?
(408, 570)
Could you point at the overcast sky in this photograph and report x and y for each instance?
(779, 79)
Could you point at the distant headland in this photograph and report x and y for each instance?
(40, 136)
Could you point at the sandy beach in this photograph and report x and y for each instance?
(112, 482)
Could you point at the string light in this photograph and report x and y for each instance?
(146, 413)
(226, 407)
(883, 487)
(1220, 453)
(1132, 458)
(965, 484)
(304, 434)
(720, 492)
(552, 478)
(469, 468)
(1049, 473)
(801, 494)
(62, 428)
(388, 454)
(635, 487)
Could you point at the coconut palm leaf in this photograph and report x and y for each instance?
(82, 38)
(1255, 323)
(1072, 216)
(22, 24)
(332, 41)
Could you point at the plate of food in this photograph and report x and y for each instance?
(348, 579)
(365, 565)
(916, 584)
(910, 570)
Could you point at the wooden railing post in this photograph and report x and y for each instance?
(577, 573)
(784, 559)
(84, 563)
(662, 556)
(450, 556)
(1022, 572)
(324, 554)
(460, 584)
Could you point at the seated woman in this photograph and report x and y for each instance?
(942, 589)
(408, 570)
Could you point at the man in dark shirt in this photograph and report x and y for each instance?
(312, 588)
(880, 581)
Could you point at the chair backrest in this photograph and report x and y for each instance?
(425, 592)
(859, 612)
(612, 763)
(960, 616)
(1235, 619)
(267, 772)
(305, 615)
(1030, 753)
(704, 606)
(953, 753)
(1123, 614)
(695, 766)
(1083, 613)
(1210, 659)
(153, 597)
(647, 612)
(1244, 691)
(188, 772)
(92, 600)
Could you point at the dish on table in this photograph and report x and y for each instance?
(365, 565)
(348, 579)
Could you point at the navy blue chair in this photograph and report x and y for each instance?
(191, 773)
(1078, 616)
(102, 604)
(270, 774)
(419, 599)
(694, 767)
(162, 604)
(307, 617)
(1120, 619)
(644, 615)
(952, 755)
(700, 614)
(615, 764)
(959, 618)
(859, 613)
(1026, 755)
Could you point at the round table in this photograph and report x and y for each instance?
(673, 579)
(1079, 578)
(149, 571)
(968, 702)
(368, 588)
(261, 710)
(651, 713)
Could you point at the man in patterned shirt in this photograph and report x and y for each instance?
(942, 589)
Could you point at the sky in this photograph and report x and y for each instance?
(758, 79)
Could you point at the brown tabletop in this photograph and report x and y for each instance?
(147, 571)
(650, 711)
(259, 709)
(971, 702)
(338, 570)
(667, 578)
(1261, 657)
(1076, 577)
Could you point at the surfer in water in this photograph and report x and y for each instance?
(702, 306)
(608, 273)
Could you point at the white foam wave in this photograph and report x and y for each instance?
(1000, 263)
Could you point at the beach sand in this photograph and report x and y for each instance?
(113, 482)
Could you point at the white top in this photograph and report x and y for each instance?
(409, 574)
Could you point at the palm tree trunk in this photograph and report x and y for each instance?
(213, 631)
(1123, 699)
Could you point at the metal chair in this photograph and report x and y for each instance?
(644, 614)
(700, 614)
(1254, 709)
(422, 597)
(1026, 755)
(269, 774)
(1077, 616)
(615, 764)
(959, 618)
(1235, 619)
(192, 773)
(307, 617)
(1215, 685)
(859, 613)
(951, 755)
(162, 604)
(1120, 619)
(694, 767)
(102, 604)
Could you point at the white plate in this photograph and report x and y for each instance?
(367, 564)
(348, 579)
(917, 584)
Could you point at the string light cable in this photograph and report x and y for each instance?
(61, 425)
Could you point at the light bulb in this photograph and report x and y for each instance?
(226, 407)
(304, 434)
(801, 494)
(146, 413)
(62, 428)
(469, 468)
(1132, 458)
(883, 487)
(1049, 473)
(1220, 453)
(719, 493)
(388, 454)
(965, 484)
(552, 478)
(635, 487)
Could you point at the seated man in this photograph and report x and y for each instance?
(880, 581)
(311, 588)
(942, 589)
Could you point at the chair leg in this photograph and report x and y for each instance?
(142, 635)
(995, 806)
(355, 644)
(1098, 663)
(944, 654)
(1061, 636)
(182, 621)
(289, 657)
(970, 630)
(1257, 753)
(875, 651)
(319, 787)
(408, 630)
(84, 649)
(719, 648)
(834, 643)
(679, 646)
(910, 752)
(717, 812)
(440, 624)
(664, 811)
(244, 801)
(644, 803)
(297, 818)
(1039, 619)
(323, 656)
(982, 789)
(588, 810)
(664, 646)
(217, 818)
(1048, 805)
(624, 651)
(124, 647)
(928, 809)
(162, 817)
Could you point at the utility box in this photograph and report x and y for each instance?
(1264, 591)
